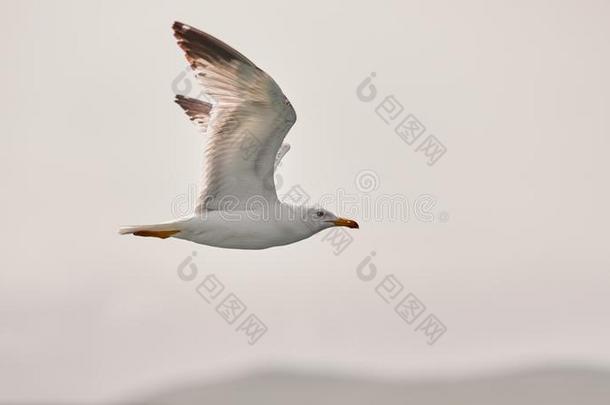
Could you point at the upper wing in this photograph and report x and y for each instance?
(246, 125)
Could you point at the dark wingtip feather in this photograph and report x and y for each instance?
(193, 107)
(198, 44)
(181, 28)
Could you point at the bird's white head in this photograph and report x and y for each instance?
(318, 219)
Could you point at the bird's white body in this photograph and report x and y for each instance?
(250, 229)
(246, 125)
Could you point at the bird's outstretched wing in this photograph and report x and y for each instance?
(246, 125)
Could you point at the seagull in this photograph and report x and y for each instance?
(246, 124)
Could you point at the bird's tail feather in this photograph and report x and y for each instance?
(162, 231)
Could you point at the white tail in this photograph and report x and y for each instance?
(162, 231)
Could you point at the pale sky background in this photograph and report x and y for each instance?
(518, 92)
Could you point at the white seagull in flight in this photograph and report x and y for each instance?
(238, 207)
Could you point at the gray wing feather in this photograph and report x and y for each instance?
(247, 123)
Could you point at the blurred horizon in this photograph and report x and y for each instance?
(535, 385)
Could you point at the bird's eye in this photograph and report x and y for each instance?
(320, 214)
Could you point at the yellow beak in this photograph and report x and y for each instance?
(346, 222)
